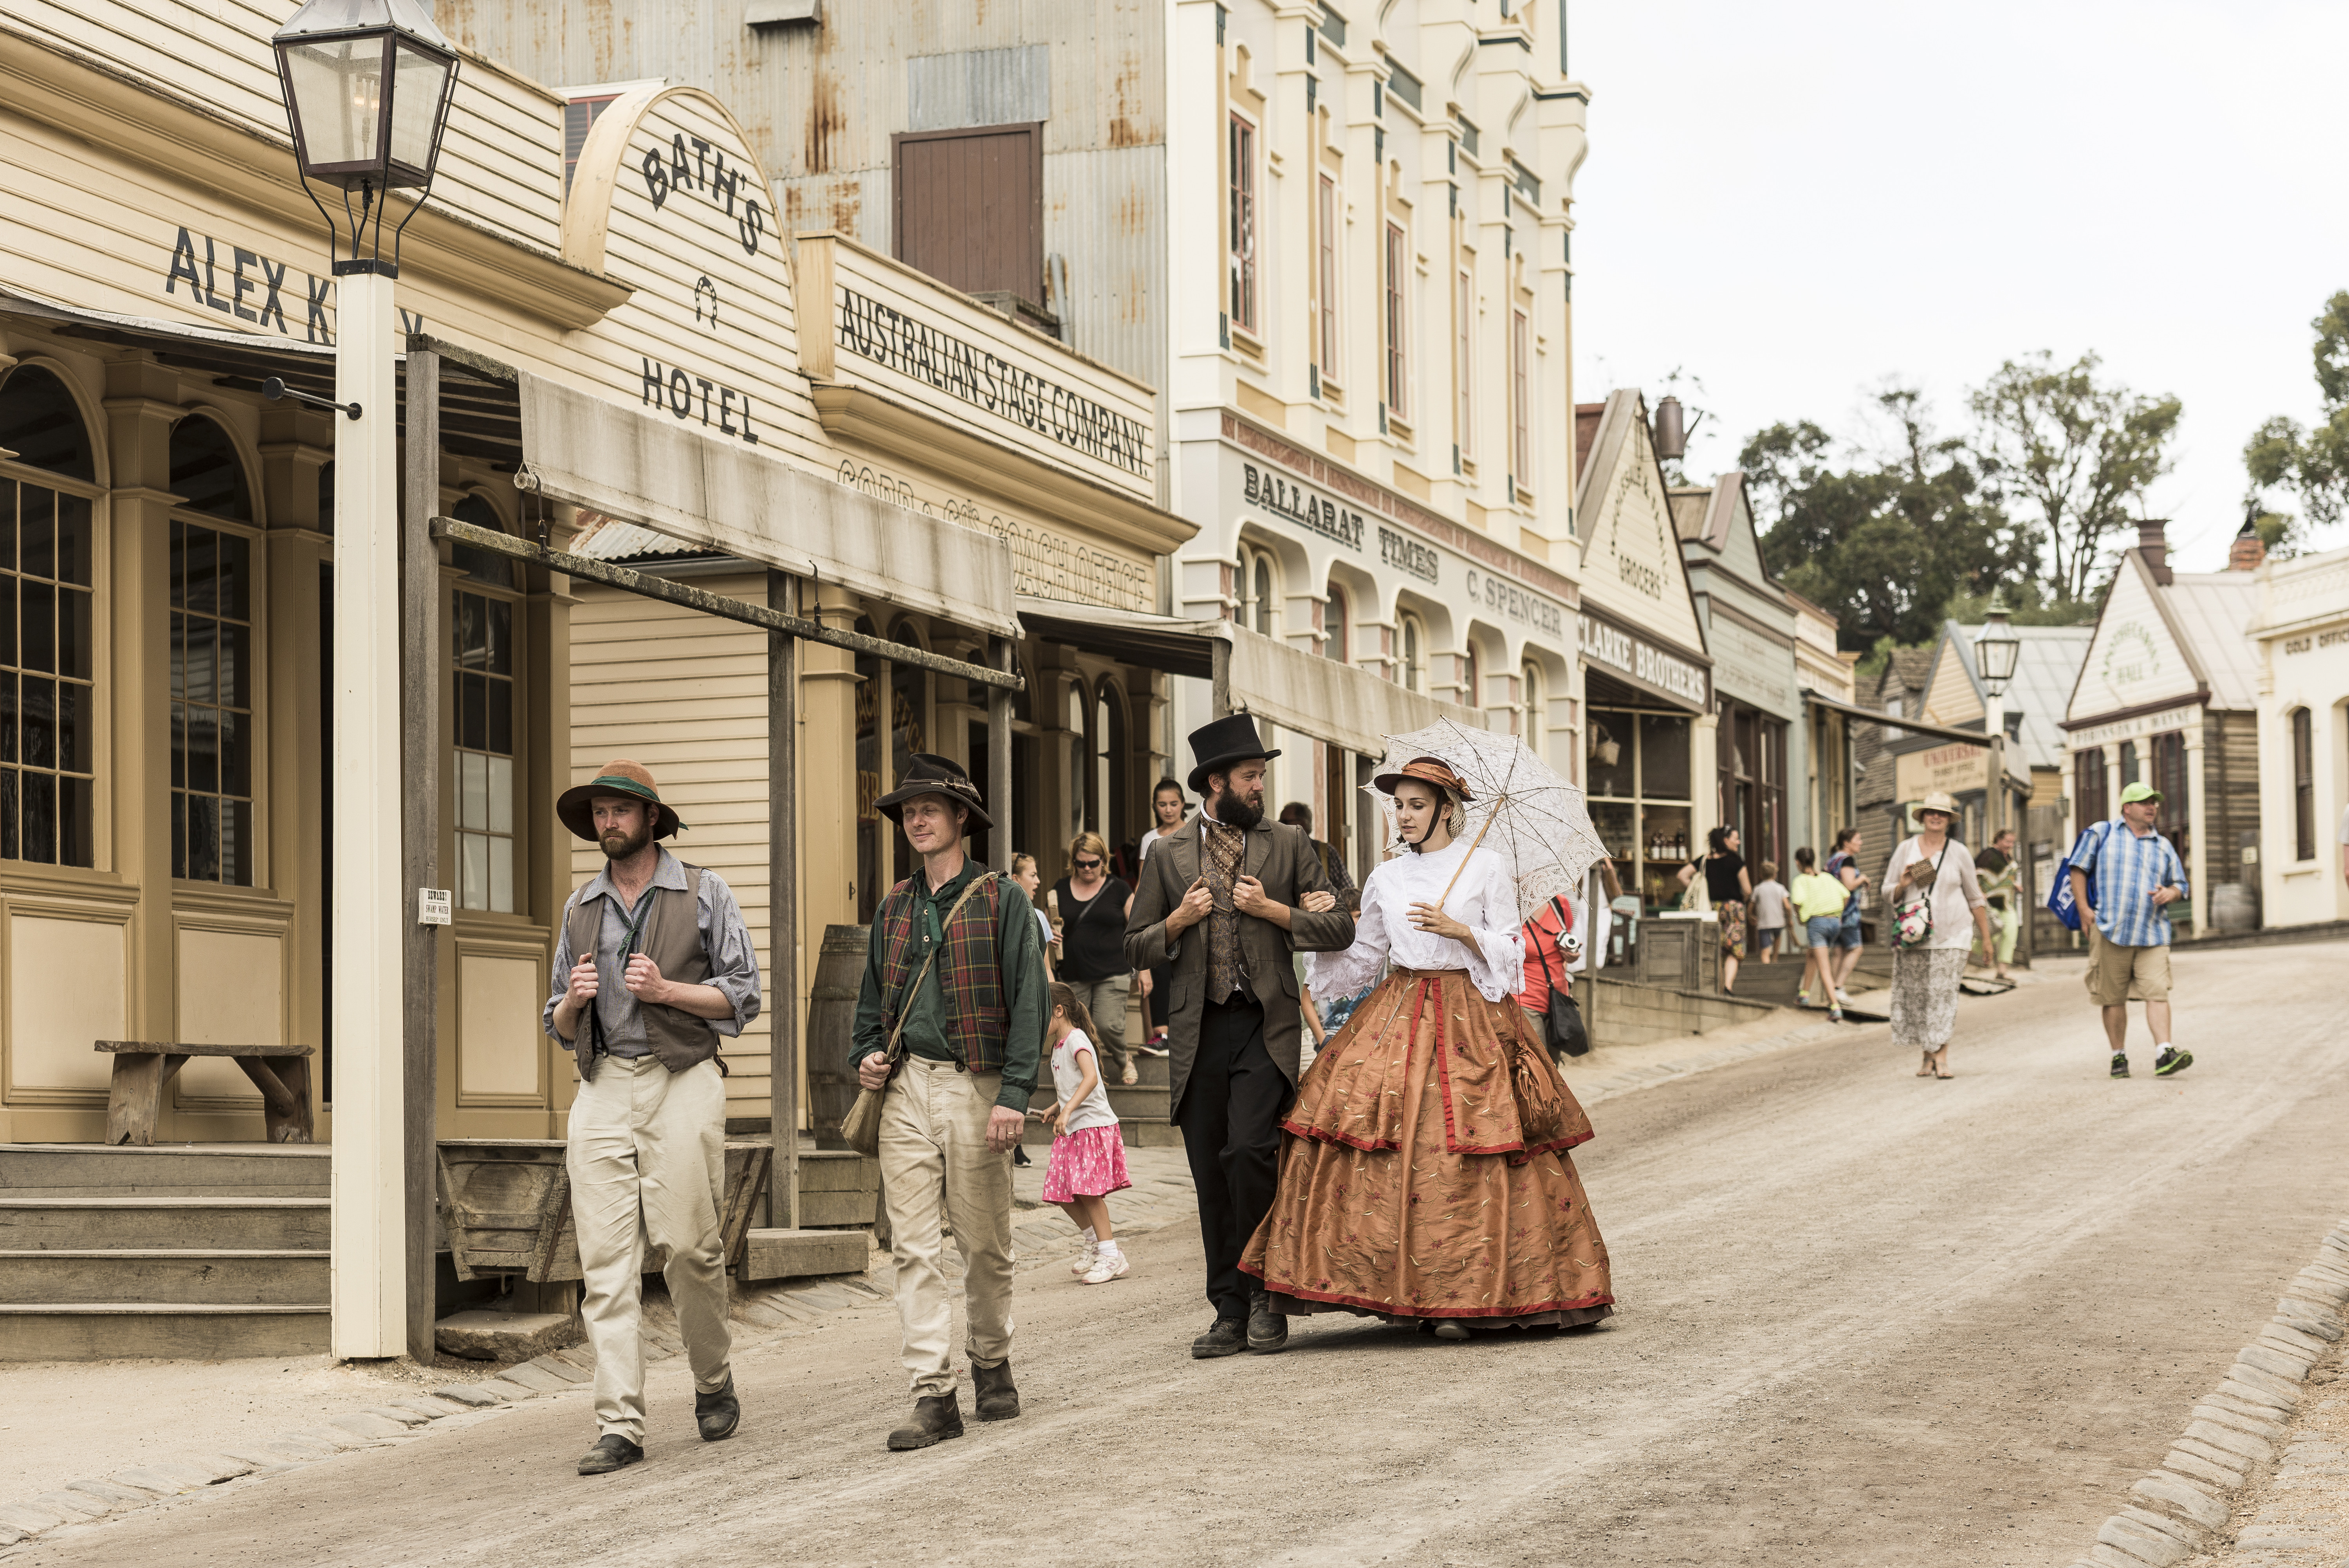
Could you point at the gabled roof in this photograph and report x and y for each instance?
(1690, 504)
(2203, 619)
(2213, 613)
(2046, 667)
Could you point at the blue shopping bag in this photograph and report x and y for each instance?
(2060, 902)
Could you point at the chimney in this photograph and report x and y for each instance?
(2249, 550)
(2153, 543)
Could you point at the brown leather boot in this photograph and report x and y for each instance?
(936, 1417)
(992, 1394)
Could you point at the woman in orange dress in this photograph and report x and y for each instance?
(1425, 1175)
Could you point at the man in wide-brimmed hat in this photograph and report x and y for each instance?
(1225, 905)
(652, 966)
(956, 967)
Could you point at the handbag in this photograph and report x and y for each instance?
(2060, 902)
(1912, 914)
(1567, 1031)
(860, 1129)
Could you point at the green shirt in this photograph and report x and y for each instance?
(1019, 952)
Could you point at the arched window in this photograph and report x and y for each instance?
(1534, 729)
(2303, 785)
(213, 593)
(1413, 639)
(1260, 591)
(1337, 622)
(485, 615)
(1472, 678)
(49, 696)
(1108, 816)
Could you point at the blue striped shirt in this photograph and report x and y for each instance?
(2127, 869)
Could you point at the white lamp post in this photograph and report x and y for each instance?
(367, 85)
(1996, 648)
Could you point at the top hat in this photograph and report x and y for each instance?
(576, 807)
(1216, 746)
(1429, 770)
(927, 773)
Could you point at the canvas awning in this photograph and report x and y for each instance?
(617, 461)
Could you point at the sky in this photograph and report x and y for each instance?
(1792, 202)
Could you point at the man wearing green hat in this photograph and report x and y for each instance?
(652, 966)
(2138, 876)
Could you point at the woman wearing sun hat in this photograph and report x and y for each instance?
(1937, 905)
(1424, 1177)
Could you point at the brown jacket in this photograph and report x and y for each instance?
(1282, 858)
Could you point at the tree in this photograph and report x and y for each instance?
(2313, 465)
(1886, 539)
(2074, 450)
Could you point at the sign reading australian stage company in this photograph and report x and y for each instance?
(1628, 653)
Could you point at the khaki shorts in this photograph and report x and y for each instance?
(2118, 974)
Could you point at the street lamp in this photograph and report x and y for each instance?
(367, 85)
(1996, 649)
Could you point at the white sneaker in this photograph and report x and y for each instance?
(1107, 1266)
(1843, 998)
(1082, 1264)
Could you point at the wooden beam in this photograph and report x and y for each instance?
(998, 760)
(783, 906)
(419, 831)
(651, 587)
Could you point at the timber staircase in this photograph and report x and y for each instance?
(204, 1251)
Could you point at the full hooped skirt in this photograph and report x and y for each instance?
(1425, 1174)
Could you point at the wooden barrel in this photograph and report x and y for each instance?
(2233, 908)
(831, 1016)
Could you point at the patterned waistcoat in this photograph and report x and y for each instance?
(977, 1018)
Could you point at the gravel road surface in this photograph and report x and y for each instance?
(1866, 1319)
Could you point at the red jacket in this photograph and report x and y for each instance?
(1550, 922)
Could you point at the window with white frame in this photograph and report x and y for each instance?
(1337, 623)
(1395, 326)
(1464, 360)
(212, 602)
(1242, 220)
(485, 607)
(1412, 635)
(48, 688)
(1534, 729)
(1260, 591)
(1521, 451)
(1327, 280)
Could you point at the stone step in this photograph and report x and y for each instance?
(129, 1275)
(88, 1224)
(226, 1169)
(100, 1331)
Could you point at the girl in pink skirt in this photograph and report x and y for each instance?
(1088, 1159)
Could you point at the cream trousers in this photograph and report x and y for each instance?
(647, 1163)
(935, 1165)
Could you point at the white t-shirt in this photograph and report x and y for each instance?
(1093, 1111)
(1044, 924)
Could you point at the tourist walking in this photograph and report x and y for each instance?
(1545, 974)
(652, 953)
(1769, 909)
(1299, 815)
(1087, 1158)
(2002, 882)
(1818, 901)
(1843, 865)
(2125, 877)
(1169, 809)
(1726, 888)
(1241, 882)
(1937, 909)
(1425, 1178)
(1089, 908)
(955, 972)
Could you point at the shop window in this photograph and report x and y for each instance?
(212, 599)
(483, 612)
(2303, 785)
(1396, 324)
(1240, 222)
(1260, 591)
(2169, 777)
(49, 711)
(2088, 792)
(1640, 801)
(1327, 281)
(2128, 763)
(1105, 811)
(1414, 652)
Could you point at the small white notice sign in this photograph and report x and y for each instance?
(432, 905)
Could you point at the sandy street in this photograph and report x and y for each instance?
(1866, 1319)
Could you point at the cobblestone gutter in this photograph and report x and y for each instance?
(2221, 1496)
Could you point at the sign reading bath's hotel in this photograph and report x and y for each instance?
(875, 330)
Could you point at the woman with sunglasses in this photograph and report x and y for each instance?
(1089, 908)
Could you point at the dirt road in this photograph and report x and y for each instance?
(1866, 1319)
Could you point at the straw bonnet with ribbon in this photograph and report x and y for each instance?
(1437, 772)
(576, 807)
(927, 773)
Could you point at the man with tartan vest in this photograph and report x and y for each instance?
(973, 1024)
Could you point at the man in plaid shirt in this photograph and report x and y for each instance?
(2137, 877)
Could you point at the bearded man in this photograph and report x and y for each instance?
(1225, 907)
(652, 967)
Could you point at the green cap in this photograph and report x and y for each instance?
(2132, 793)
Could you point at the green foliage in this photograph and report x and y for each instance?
(2076, 452)
(2029, 604)
(1872, 663)
(1887, 538)
(2312, 463)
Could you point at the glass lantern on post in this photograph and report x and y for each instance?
(1996, 651)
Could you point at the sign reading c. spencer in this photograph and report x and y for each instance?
(1628, 653)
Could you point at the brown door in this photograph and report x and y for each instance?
(970, 208)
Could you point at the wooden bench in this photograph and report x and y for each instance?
(142, 1068)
